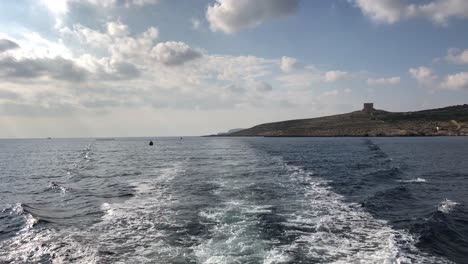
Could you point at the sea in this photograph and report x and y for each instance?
(234, 200)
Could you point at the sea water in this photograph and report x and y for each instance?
(234, 200)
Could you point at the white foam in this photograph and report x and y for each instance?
(134, 223)
(344, 232)
(446, 206)
(33, 246)
(234, 237)
(415, 180)
(138, 220)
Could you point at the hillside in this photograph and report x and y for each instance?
(447, 121)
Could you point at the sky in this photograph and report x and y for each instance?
(119, 68)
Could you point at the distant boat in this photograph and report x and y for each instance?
(49, 138)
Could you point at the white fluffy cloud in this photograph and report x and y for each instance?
(140, 2)
(117, 29)
(426, 78)
(288, 64)
(392, 11)
(382, 11)
(423, 75)
(458, 56)
(115, 39)
(458, 81)
(62, 6)
(89, 36)
(173, 53)
(232, 16)
(301, 79)
(384, 81)
(307, 75)
(334, 76)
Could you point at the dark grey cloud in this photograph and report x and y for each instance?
(263, 87)
(6, 44)
(252, 86)
(101, 103)
(8, 95)
(232, 16)
(57, 68)
(173, 53)
(126, 70)
(32, 110)
(118, 71)
(235, 88)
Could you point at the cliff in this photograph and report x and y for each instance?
(447, 121)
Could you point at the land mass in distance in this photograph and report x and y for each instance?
(447, 121)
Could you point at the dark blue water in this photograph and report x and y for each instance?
(234, 200)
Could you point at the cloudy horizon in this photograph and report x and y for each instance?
(109, 68)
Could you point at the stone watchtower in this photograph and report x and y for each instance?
(368, 108)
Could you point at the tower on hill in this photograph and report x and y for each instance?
(368, 107)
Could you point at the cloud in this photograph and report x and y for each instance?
(58, 68)
(173, 53)
(6, 44)
(307, 75)
(4, 94)
(333, 76)
(230, 16)
(116, 40)
(384, 81)
(439, 11)
(196, 23)
(89, 36)
(457, 56)
(288, 64)
(381, 11)
(263, 87)
(139, 2)
(249, 86)
(330, 93)
(300, 79)
(63, 6)
(392, 11)
(458, 81)
(56, 6)
(126, 70)
(423, 75)
(117, 29)
(233, 68)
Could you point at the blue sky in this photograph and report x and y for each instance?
(79, 68)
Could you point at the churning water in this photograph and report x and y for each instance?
(234, 200)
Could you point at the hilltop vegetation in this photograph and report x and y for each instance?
(447, 121)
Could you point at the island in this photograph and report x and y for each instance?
(447, 121)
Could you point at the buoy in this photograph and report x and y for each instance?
(151, 143)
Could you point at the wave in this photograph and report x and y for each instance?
(48, 246)
(138, 223)
(414, 180)
(444, 231)
(446, 206)
(344, 232)
(58, 188)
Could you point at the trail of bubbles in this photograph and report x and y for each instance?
(342, 232)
